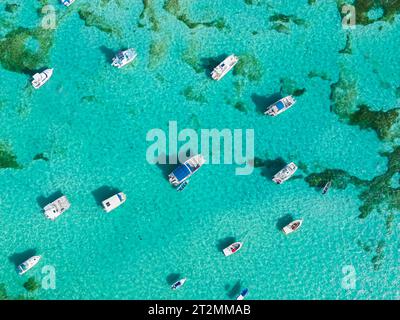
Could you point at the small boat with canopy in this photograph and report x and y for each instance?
(185, 171)
(280, 106)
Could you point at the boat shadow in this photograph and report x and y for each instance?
(172, 278)
(42, 201)
(284, 221)
(208, 64)
(271, 167)
(233, 291)
(107, 52)
(18, 258)
(223, 243)
(262, 102)
(103, 193)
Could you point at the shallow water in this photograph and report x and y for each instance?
(91, 121)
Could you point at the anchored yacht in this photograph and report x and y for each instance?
(178, 284)
(40, 78)
(280, 106)
(292, 227)
(186, 170)
(224, 67)
(124, 57)
(56, 208)
(114, 202)
(285, 173)
(233, 248)
(28, 264)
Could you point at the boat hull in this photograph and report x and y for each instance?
(54, 209)
(114, 202)
(41, 78)
(28, 264)
(224, 67)
(128, 56)
(280, 106)
(186, 170)
(233, 248)
(292, 227)
(285, 173)
(178, 284)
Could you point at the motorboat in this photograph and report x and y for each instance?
(124, 57)
(243, 294)
(186, 170)
(224, 67)
(285, 173)
(114, 202)
(40, 78)
(56, 208)
(280, 106)
(233, 248)
(67, 3)
(326, 187)
(292, 227)
(178, 284)
(28, 264)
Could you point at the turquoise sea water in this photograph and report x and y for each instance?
(91, 121)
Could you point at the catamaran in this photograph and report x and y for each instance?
(28, 264)
(224, 67)
(292, 227)
(243, 294)
(56, 208)
(326, 187)
(40, 78)
(233, 248)
(186, 170)
(124, 57)
(178, 284)
(67, 3)
(114, 202)
(285, 173)
(280, 106)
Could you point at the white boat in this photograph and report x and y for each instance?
(326, 187)
(280, 106)
(292, 227)
(224, 67)
(285, 173)
(178, 284)
(114, 202)
(233, 248)
(39, 79)
(56, 208)
(28, 264)
(67, 3)
(243, 294)
(186, 170)
(124, 57)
